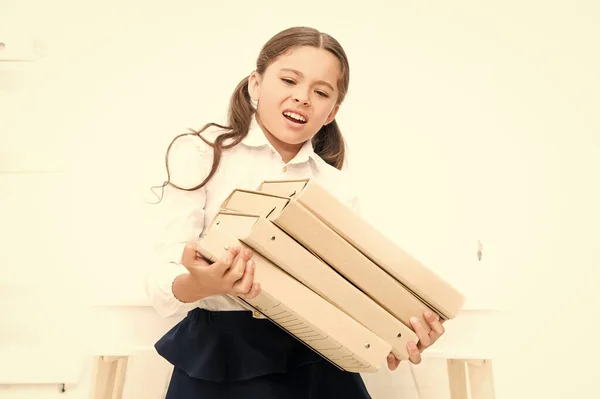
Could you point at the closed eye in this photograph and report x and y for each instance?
(291, 82)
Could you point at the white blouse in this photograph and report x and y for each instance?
(183, 215)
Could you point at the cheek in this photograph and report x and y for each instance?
(272, 91)
(323, 113)
(265, 104)
(271, 103)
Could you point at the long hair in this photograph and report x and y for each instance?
(328, 143)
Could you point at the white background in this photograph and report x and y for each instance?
(465, 121)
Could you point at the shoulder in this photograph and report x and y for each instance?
(190, 158)
(339, 182)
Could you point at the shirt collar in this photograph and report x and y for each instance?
(256, 138)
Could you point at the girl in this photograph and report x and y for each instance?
(281, 125)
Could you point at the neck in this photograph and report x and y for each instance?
(286, 150)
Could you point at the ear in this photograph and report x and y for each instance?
(332, 115)
(254, 85)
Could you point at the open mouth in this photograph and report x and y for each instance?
(294, 117)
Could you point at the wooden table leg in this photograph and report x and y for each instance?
(457, 375)
(109, 378)
(481, 379)
(472, 376)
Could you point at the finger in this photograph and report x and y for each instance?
(236, 271)
(437, 330)
(253, 292)
(188, 255)
(414, 354)
(431, 317)
(436, 327)
(393, 362)
(244, 285)
(201, 262)
(422, 333)
(225, 262)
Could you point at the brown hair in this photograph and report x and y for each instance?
(328, 143)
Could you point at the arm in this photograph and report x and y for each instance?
(180, 219)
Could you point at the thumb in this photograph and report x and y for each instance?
(393, 362)
(189, 255)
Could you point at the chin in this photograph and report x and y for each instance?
(292, 136)
(291, 139)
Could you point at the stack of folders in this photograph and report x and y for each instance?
(327, 276)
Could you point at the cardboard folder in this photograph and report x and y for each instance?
(422, 282)
(305, 315)
(271, 242)
(325, 243)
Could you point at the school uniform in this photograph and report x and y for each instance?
(222, 349)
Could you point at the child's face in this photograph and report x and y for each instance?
(303, 82)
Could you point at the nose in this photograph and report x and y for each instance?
(301, 99)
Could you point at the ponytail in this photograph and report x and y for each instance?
(239, 119)
(240, 110)
(329, 144)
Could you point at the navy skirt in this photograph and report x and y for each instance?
(230, 355)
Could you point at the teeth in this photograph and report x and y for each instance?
(295, 116)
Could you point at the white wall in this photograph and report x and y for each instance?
(477, 121)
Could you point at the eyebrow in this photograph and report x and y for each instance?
(297, 72)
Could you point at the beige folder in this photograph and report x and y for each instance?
(422, 282)
(324, 242)
(264, 237)
(311, 232)
(314, 321)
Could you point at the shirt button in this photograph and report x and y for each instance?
(284, 169)
(256, 313)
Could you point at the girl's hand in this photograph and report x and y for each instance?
(425, 339)
(233, 274)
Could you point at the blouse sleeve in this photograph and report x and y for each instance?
(180, 219)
